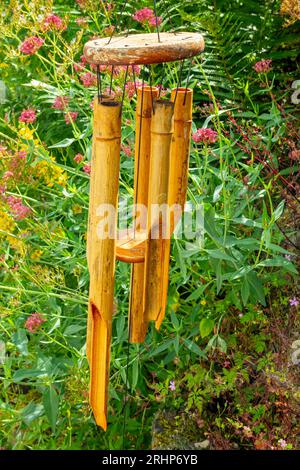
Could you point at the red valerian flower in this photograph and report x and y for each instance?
(70, 117)
(205, 136)
(27, 115)
(31, 45)
(88, 79)
(145, 15)
(60, 102)
(53, 23)
(126, 149)
(19, 210)
(78, 158)
(87, 168)
(263, 66)
(34, 321)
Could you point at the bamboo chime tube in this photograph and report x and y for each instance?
(158, 242)
(145, 97)
(101, 249)
(178, 176)
(180, 149)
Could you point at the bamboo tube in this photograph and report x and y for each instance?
(158, 247)
(178, 177)
(145, 97)
(91, 220)
(180, 150)
(101, 252)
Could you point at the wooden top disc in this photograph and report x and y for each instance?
(143, 48)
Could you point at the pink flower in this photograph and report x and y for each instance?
(60, 102)
(53, 23)
(70, 117)
(282, 443)
(81, 21)
(31, 45)
(294, 302)
(145, 15)
(263, 66)
(19, 210)
(78, 67)
(205, 136)
(78, 158)
(33, 322)
(152, 21)
(88, 79)
(127, 150)
(130, 89)
(172, 386)
(22, 154)
(7, 175)
(27, 115)
(87, 168)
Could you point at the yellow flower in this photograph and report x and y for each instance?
(203, 302)
(17, 244)
(7, 223)
(26, 133)
(36, 254)
(77, 209)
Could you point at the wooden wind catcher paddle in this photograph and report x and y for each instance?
(162, 142)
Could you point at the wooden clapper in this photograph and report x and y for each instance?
(162, 141)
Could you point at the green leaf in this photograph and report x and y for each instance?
(256, 287)
(221, 344)
(194, 347)
(20, 339)
(279, 262)
(245, 290)
(135, 374)
(51, 402)
(197, 293)
(206, 327)
(279, 210)
(31, 412)
(23, 374)
(63, 143)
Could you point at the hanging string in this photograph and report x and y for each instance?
(179, 80)
(187, 81)
(156, 20)
(134, 79)
(111, 78)
(124, 88)
(151, 91)
(118, 20)
(99, 89)
(169, 17)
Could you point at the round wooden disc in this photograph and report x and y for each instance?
(143, 48)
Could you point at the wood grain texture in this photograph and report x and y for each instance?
(101, 251)
(178, 175)
(157, 247)
(143, 48)
(137, 320)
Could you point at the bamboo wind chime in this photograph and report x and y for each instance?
(162, 141)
